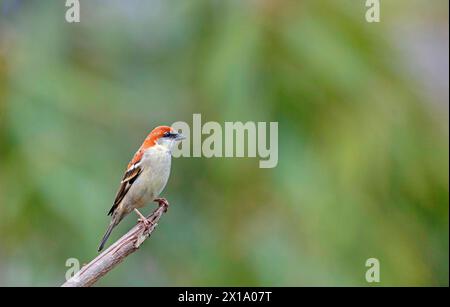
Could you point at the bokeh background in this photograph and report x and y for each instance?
(363, 139)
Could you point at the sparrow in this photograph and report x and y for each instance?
(145, 177)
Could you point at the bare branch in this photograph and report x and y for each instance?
(116, 253)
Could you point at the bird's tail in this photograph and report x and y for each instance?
(106, 235)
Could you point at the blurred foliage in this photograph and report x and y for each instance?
(363, 154)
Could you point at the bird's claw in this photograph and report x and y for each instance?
(162, 202)
(146, 222)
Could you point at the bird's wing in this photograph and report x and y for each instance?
(132, 173)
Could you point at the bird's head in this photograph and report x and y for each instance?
(165, 136)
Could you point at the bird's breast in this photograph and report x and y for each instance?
(155, 174)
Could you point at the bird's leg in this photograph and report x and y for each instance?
(162, 202)
(142, 219)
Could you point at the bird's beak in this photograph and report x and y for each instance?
(179, 137)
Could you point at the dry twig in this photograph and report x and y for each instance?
(116, 253)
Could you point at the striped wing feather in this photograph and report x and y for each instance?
(127, 181)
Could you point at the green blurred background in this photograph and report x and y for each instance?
(363, 139)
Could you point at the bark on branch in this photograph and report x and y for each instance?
(116, 253)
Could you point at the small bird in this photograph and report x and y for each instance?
(145, 177)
